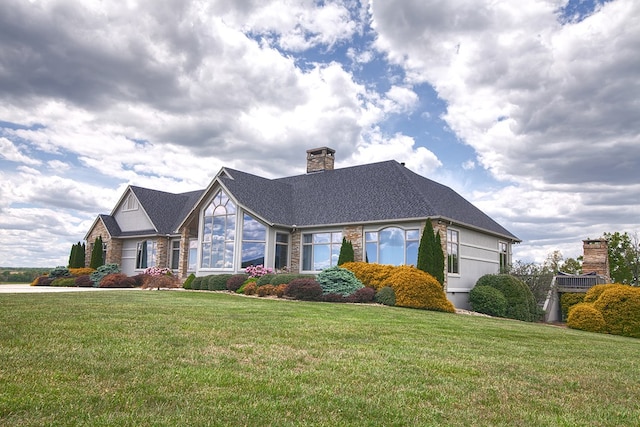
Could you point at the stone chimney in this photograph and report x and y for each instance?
(320, 159)
(596, 257)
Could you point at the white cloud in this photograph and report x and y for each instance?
(10, 152)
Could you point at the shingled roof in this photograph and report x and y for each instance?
(384, 191)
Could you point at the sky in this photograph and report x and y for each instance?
(530, 110)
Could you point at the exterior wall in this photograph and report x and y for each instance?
(479, 255)
(128, 265)
(355, 235)
(162, 256)
(114, 246)
(296, 251)
(132, 220)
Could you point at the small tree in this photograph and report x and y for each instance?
(430, 255)
(346, 252)
(96, 254)
(76, 257)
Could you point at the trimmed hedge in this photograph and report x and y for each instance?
(521, 304)
(196, 284)
(488, 300)
(217, 282)
(385, 296)
(336, 280)
(187, 283)
(568, 300)
(304, 289)
(236, 281)
(416, 289)
(586, 317)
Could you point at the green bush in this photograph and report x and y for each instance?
(586, 317)
(568, 300)
(218, 282)
(488, 300)
(187, 283)
(521, 304)
(385, 296)
(285, 279)
(197, 283)
(336, 280)
(59, 271)
(64, 281)
(265, 279)
(102, 271)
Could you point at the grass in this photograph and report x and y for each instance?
(194, 358)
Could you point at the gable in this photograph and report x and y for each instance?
(130, 215)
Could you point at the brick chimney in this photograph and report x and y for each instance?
(320, 159)
(596, 257)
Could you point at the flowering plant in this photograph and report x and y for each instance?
(155, 271)
(258, 270)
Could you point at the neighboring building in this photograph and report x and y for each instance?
(298, 223)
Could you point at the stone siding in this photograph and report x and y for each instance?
(114, 246)
(596, 257)
(355, 234)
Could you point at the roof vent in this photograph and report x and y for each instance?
(320, 159)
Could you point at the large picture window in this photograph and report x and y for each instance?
(146, 254)
(453, 248)
(218, 235)
(393, 246)
(175, 254)
(320, 250)
(504, 256)
(254, 238)
(282, 251)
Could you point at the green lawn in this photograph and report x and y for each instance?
(198, 358)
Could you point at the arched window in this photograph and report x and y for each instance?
(218, 235)
(393, 245)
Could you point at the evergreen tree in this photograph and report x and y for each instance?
(96, 254)
(439, 259)
(72, 256)
(426, 254)
(82, 255)
(346, 252)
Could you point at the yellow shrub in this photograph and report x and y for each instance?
(620, 308)
(83, 271)
(594, 293)
(371, 275)
(416, 289)
(568, 300)
(586, 317)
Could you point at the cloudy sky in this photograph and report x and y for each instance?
(531, 110)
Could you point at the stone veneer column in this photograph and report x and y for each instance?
(98, 230)
(183, 260)
(596, 257)
(355, 234)
(114, 252)
(295, 251)
(161, 255)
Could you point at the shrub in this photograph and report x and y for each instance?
(84, 281)
(346, 252)
(187, 283)
(266, 290)
(620, 308)
(333, 297)
(371, 275)
(102, 271)
(218, 282)
(117, 280)
(265, 280)
(59, 271)
(488, 300)
(304, 289)
(416, 289)
(197, 283)
(250, 288)
(568, 300)
(141, 279)
(42, 281)
(81, 271)
(280, 290)
(362, 295)
(156, 271)
(258, 270)
(521, 304)
(161, 281)
(234, 282)
(284, 279)
(586, 317)
(64, 281)
(595, 291)
(385, 296)
(336, 280)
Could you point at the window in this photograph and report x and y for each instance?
(175, 254)
(130, 204)
(393, 245)
(453, 255)
(320, 250)
(504, 256)
(254, 238)
(282, 251)
(104, 252)
(218, 235)
(193, 255)
(146, 254)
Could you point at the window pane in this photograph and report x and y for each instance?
(282, 238)
(335, 254)
(253, 230)
(307, 238)
(392, 246)
(336, 237)
(372, 252)
(282, 256)
(252, 254)
(412, 253)
(321, 257)
(193, 255)
(307, 252)
(371, 236)
(322, 238)
(413, 234)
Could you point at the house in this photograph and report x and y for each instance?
(298, 223)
